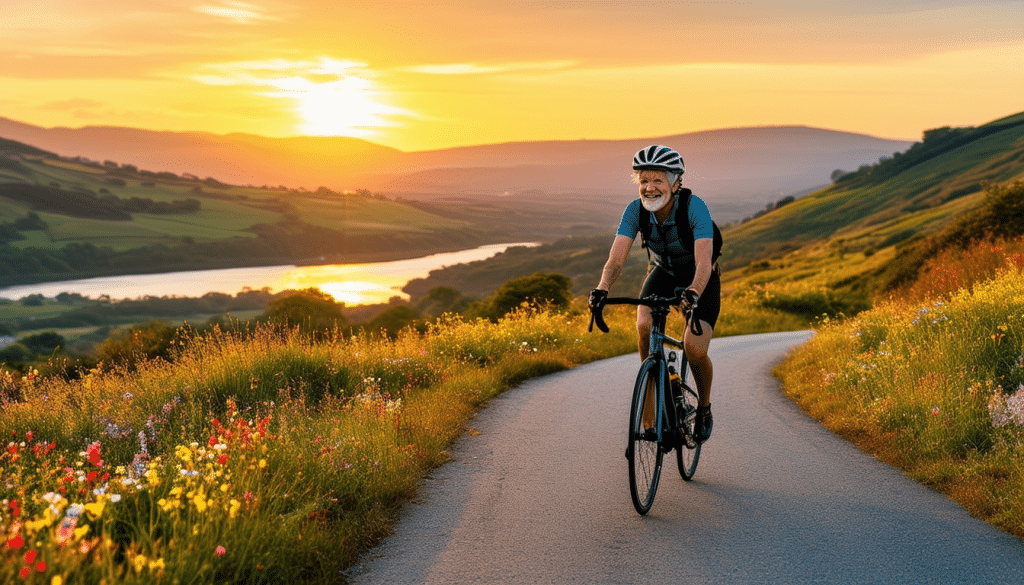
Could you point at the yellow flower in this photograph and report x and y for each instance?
(95, 509)
(156, 565)
(234, 506)
(200, 503)
(140, 562)
(263, 463)
(57, 580)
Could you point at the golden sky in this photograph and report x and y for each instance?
(428, 75)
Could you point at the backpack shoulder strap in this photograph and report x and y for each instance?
(682, 215)
(683, 225)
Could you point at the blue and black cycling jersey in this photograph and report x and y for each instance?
(664, 243)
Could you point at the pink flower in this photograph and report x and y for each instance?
(220, 551)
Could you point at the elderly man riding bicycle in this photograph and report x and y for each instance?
(681, 256)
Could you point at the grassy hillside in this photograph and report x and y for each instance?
(67, 218)
(887, 203)
(828, 252)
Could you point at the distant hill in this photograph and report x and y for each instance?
(739, 170)
(913, 194)
(847, 237)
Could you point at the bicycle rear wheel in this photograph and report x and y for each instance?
(688, 452)
(644, 455)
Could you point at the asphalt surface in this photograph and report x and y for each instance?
(540, 495)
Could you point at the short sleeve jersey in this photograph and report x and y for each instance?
(664, 244)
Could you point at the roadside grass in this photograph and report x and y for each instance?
(933, 381)
(258, 455)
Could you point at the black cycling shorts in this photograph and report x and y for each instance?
(663, 283)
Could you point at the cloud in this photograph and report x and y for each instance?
(265, 72)
(72, 104)
(476, 69)
(236, 11)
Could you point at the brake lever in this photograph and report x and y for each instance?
(695, 327)
(596, 317)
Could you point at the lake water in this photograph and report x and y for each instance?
(353, 284)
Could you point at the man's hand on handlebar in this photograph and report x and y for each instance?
(690, 298)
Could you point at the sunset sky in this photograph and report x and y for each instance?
(427, 75)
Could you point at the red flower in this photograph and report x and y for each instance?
(28, 436)
(94, 454)
(30, 556)
(16, 542)
(24, 572)
(222, 459)
(41, 566)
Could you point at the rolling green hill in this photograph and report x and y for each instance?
(914, 194)
(830, 244)
(66, 218)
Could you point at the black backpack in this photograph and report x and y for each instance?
(682, 227)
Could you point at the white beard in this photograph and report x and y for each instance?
(653, 205)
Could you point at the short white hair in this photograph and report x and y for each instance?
(669, 176)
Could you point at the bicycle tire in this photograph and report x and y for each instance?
(688, 452)
(644, 456)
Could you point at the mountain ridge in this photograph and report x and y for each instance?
(740, 168)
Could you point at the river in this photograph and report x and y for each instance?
(353, 284)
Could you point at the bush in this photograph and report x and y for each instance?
(540, 288)
(16, 354)
(309, 309)
(142, 342)
(44, 343)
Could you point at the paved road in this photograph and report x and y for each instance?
(540, 495)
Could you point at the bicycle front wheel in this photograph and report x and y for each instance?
(644, 454)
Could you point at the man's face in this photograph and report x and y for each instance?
(655, 192)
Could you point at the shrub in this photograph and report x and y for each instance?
(309, 309)
(540, 288)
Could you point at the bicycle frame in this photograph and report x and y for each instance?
(658, 340)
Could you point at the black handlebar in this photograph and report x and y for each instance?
(648, 301)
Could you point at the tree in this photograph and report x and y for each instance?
(149, 341)
(43, 343)
(310, 309)
(35, 300)
(15, 354)
(393, 319)
(442, 299)
(541, 288)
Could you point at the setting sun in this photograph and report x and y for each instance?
(346, 107)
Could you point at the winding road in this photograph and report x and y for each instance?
(537, 493)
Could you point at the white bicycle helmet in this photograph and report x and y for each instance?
(658, 158)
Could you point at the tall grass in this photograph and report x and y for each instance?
(933, 382)
(256, 456)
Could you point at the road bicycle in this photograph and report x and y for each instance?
(664, 407)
